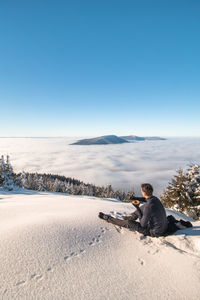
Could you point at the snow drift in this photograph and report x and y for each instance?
(53, 246)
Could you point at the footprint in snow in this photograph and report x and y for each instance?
(20, 282)
(95, 240)
(72, 254)
(141, 261)
(38, 277)
(104, 229)
(153, 252)
(82, 251)
(5, 291)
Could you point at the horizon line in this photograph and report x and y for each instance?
(169, 136)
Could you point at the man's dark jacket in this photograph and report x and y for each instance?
(152, 215)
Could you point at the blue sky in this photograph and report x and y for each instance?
(88, 68)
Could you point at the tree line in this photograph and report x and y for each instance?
(55, 183)
(182, 193)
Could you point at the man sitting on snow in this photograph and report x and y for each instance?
(152, 215)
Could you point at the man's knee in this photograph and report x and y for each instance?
(137, 227)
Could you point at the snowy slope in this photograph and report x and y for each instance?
(53, 246)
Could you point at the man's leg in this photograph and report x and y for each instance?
(131, 224)
(137, 227)
(109, 219)
(122, 223)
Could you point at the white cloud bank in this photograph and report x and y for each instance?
(124, 166)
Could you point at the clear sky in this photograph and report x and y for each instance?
(89, 68)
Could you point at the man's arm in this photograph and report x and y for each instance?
(141, 199)
(144, 220)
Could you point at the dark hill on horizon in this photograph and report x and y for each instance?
(139, 138)
(113, 139)
(102, 140)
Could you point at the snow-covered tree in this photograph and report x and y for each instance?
(2, 168)
(128, 196)
(183, 192)
(18, 182)
(8, 176)
(193, 174)
(41, 186)
(176, 193)
(67, 187)
(30, 181)
(24, 181)
(83, 189)
(35, 181)
(56, 186)
(108, 191)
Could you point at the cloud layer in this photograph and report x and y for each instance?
(124, 166)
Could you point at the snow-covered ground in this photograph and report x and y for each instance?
(53, 246)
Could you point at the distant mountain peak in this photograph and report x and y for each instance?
(114, 139)
(102, 140)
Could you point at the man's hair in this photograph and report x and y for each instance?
(147, 189)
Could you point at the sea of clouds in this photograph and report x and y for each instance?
(123, 166)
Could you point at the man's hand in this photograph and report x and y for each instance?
(136, 203)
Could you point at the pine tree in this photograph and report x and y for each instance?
(24, 181)
(67, 188)
(183, 194)
(128, 196)
(109, 192)
(35, 181)
(2, 168)
(8, 181)
(193, 174)
(18, 182)
(56, 186)
(41, 186)
(30, 181)
(176, 194)
(123, 195)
